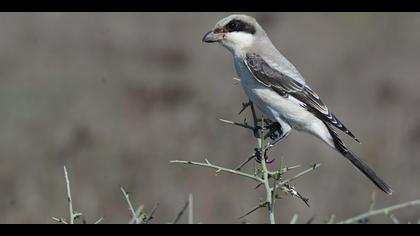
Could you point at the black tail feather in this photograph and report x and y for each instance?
(358, 163)
(366, 170)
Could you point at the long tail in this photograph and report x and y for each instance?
(365, 169)
(358, 163)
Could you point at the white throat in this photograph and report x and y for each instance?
(236, 42)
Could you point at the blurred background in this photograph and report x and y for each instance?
(116, 96)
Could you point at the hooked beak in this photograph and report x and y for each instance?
(211, 37)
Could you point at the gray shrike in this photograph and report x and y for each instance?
(275, 86)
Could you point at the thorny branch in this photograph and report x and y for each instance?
(137, 216)
(387, 211)
(273, 181)
(73, 215)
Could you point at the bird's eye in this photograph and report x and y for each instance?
(233, 25)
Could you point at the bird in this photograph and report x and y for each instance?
(277, 88)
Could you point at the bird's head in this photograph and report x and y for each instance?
(235, 32)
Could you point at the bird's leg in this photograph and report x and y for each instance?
(258, 157)
(272, 127)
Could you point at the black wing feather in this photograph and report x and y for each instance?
(286, 86)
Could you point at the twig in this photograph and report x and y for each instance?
(59, 220)
(245, 162)
(383, 211)
(394, 219)
(150, 217)
(287, 168)
(294, 219)
(190, 209)
(330, 220)
(243, 125)
(134, 215)
(315, 166)
(254, 114)
(265, 172)
(244, 106)
(219, 169)
(291, 190)
(72, 214)
(179, 215)
(138, 214)
(98, 221)
(255, 118)
(310, 220)
(269, 191)
(372, 201)
(259, 206)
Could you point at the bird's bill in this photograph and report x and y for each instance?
(211, 37)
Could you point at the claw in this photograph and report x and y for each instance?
(258, 156)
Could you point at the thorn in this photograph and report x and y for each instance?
(259, 185)
(244, 106)
(245, 162)
(310, 220)
(261, 205)
(99, 221)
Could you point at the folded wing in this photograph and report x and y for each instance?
(286, 85)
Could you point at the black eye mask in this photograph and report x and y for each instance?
(239, 26)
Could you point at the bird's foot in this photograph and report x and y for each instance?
(258, 156)
(274, 130)
(278, 139)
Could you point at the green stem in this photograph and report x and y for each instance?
(384, 211)
(70, 202)
(219, 169)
